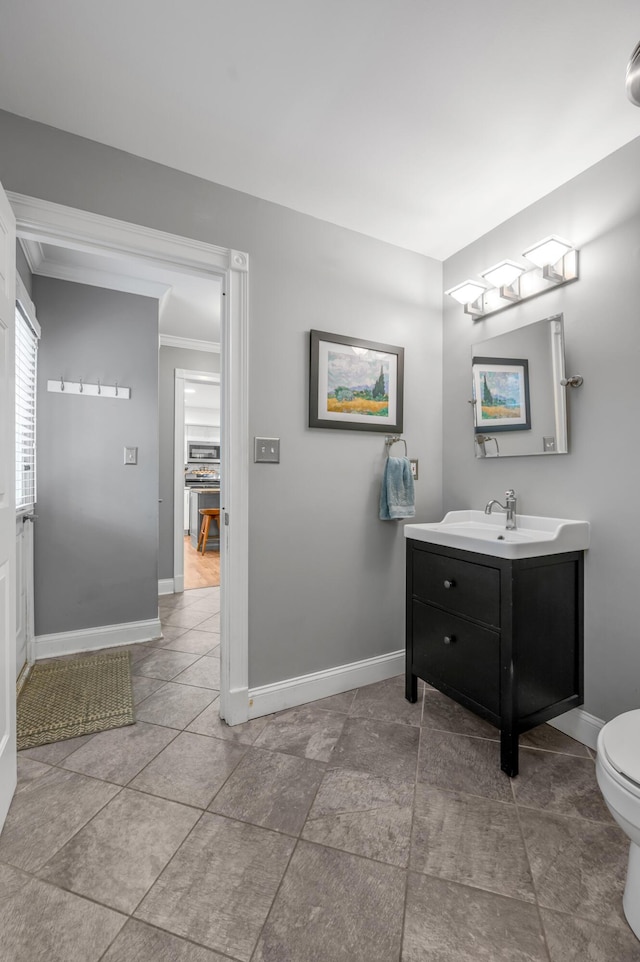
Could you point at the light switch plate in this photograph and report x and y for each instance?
(266, 450)
(130, 455)
(548, 444)
(414, 468)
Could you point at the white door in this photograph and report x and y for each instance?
(7, 509)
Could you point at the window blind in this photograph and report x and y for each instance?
(26, 370)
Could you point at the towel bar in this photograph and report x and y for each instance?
(392, 439)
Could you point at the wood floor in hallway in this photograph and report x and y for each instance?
(200, 571)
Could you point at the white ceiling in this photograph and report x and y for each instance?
(421, 122)
(189, 306)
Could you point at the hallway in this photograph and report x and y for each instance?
(359, 828)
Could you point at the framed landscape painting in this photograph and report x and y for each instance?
(501, 394)
(355, 384)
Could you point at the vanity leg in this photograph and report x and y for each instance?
(509, 751)
(411, 687)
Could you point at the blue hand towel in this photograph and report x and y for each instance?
(397, 499)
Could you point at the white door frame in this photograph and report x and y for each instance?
(55, 224)
(180, 376)
(8, 754)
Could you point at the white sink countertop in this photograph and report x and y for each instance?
(533, 537)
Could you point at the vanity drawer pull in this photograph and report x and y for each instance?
(449, 639)
(449, 583)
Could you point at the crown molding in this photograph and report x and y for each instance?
(51, 223)
(189, 343)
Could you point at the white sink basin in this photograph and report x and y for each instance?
(486, 533)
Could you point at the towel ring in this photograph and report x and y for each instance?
(392, 440)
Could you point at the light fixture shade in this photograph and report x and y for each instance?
(633, 77)
(467, 292)
(503, 274)
(548, 251)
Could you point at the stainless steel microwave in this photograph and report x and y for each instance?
(203, 451)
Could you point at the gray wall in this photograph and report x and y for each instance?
(170, 359)
(96, 537)
(598, 481)
(326, 577)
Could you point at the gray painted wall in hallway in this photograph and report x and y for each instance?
(170, 359)
(600, 212)
(96, 537)
(326, 577)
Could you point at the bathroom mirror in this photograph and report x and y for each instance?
(519, 403)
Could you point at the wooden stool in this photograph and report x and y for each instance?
(207, 515)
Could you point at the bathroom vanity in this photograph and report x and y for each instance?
(502, 636)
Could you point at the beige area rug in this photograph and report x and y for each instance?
(76, 696)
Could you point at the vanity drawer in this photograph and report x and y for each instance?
(458, 654)
(463, 587)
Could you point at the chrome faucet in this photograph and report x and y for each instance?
(509, 507)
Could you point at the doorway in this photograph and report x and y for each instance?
(87, 233)
(198, 433)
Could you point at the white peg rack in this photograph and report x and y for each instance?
(89, 390)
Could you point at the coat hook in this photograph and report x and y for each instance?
(81, 389)
(99, 390)
(61, 383)
(116, 388)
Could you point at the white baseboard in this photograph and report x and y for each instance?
(166, 586)
(280, 695)
(91, 639)
(233, 709)
(579, 724)
(320, 684)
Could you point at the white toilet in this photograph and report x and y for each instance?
(618, 773)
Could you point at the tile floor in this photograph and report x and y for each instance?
(355, 828)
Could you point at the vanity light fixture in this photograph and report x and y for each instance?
(467, 292)
(556, 257)
(547, 251)
(503, 274)
(556, 263)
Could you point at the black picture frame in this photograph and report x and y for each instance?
(359, 404)
(506, 378)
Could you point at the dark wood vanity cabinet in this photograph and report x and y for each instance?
(502, 637)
